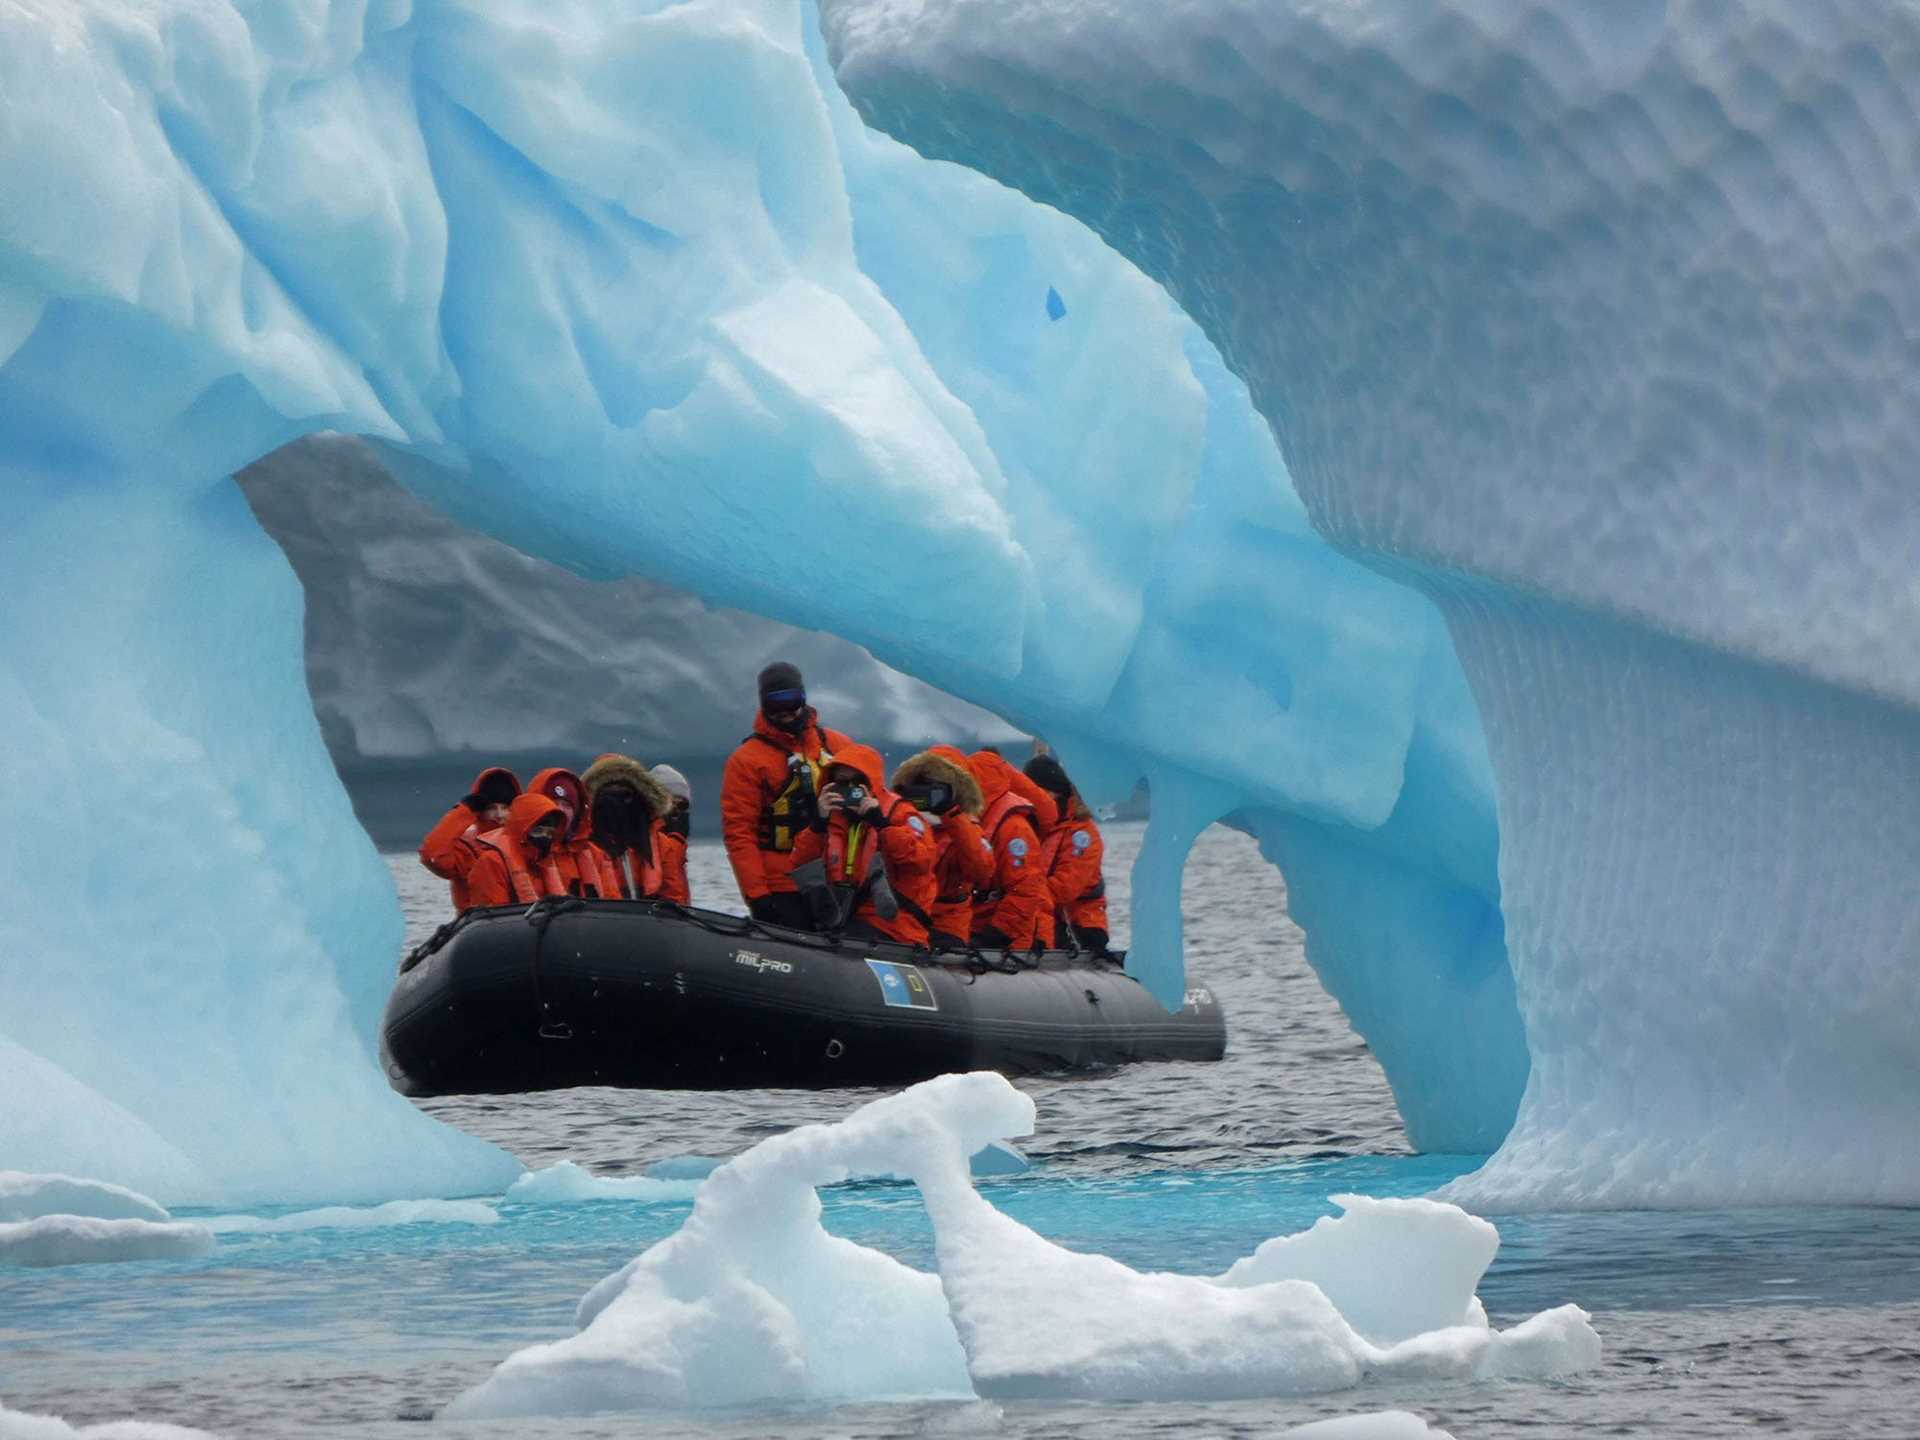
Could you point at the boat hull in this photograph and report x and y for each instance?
(654, 997)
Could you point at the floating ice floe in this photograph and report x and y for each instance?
(357, 1217)
(63, 1220)
(19, 1425)
(570, 1183)
(752, 1301)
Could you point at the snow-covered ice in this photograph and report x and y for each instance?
(753, 1302)
(48, 1220)
(567, 1182)
(21, 1425)
(358, 1217)
(28, 1197)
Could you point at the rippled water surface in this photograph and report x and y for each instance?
(1802, 1322)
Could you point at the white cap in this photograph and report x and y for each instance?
(675, 782)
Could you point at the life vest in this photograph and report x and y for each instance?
(791, 811)
(1009, 803)
(526, 889)
(639, 875)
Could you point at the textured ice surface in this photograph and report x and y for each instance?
(569, 1183)
(752, 1302)
(87, 1240)
(357, 1217)
(631, 288)
(1597, 323)
(424, 638)
(27, 1197)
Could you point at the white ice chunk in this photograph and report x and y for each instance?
(568, 1183)
(87, 1240)
(352, 1217)
(26, 1197)
(20, 1425)
(752, 1302)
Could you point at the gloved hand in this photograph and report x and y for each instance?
(763, 909)
(678, 820)
(474, 802)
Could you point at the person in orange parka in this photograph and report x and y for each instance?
(448, 849)
(767, 796)
(629, 808)
(674, 831)
(939, 783)
(1008, 914)
(1073, 851)
(1046, 815)
(517, 864)
(574, 852)
(850, 834)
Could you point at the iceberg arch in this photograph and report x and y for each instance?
(1600, 324)
(635, 291)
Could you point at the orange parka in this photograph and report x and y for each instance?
(964, 860)
(448, 850)
(1018, 899)
(1046, 815)
(1074, 852)
(655, 871)
(763, 811)
(507, 869)
(897, 832)
(574, 852)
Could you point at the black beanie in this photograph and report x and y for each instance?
(1049, 775)
(498, 787)
(780, 676)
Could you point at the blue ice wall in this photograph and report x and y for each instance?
(1600, 324)
(632, 288)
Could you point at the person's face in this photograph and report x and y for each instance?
(841, 776)
(786, 710)
(493, 816)
(542, 834)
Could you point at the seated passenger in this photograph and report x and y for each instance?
(448, 849)
(629, 811)
(1046, 815)
(574, 852)
(939, 783)
(877, 850)
(517, 864)
(673, 834)
(1007, 913)
(1073, 852)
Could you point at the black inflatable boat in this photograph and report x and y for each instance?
(652, 996)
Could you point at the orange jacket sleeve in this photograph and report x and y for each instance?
(740, 803)
(973, 857)
(672, 853)
(1016, 872)
(911, 852)
(809, 844)
(444, 851)
(1076, 868)
(487, 882)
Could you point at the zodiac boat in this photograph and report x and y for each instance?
(650, 995)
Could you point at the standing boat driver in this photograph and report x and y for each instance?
(769, 796)
(1073, 852)
(876, 853)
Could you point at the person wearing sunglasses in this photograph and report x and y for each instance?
(769, 795)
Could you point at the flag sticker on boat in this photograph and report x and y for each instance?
(903, 986)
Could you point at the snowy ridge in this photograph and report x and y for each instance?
(752, 1302)
(1596, 323)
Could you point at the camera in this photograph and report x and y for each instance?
(855, 795)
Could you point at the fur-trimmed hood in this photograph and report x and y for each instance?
(930, 767)
(628, 771)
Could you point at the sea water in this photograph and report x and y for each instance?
(1714, 1323)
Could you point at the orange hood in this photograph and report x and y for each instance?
(528, 811)
(867, 761)
(994, 774)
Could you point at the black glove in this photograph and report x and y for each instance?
(763, 909)
(475, 802)
(991, 939)
(677, 822)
